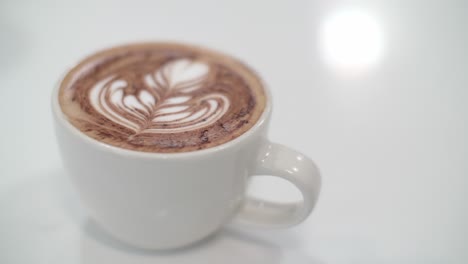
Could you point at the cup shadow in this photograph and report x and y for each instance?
(228, 246)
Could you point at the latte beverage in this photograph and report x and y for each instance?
(162, 97)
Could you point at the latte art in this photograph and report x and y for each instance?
(161, 97)
(167, 103)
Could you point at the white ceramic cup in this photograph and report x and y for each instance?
(162, 201)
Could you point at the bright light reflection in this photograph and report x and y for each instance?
(351, 40)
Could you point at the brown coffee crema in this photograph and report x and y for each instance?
(161, 97)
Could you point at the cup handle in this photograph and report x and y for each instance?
(281, 161)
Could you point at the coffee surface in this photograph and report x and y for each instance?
(162, 97)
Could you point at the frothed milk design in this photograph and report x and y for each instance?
(162, 97)
(166, 104)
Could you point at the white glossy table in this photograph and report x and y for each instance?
(374, 91)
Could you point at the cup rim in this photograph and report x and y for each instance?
(60, 116)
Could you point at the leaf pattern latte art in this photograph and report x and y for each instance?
(169, 102)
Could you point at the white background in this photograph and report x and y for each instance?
(390, 139)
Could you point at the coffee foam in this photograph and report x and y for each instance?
(167, 104)
(162, 98)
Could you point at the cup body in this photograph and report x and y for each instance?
(156, 200)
